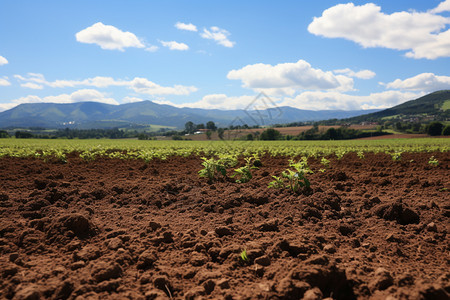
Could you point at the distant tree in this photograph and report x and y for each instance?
(200, 126)
(446, 130)
(211, 126)
(143, 136)
(250, 137)
(208, 134)
(435, 128)
(331, 133)
(23, 135)
(189, 127)
(4, 134)
(270, 135)
(176, 137)
(220, 132)
(416, 127)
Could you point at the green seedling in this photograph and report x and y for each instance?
(244, 173)
(295, 180)
(257, 161)
(228, 160)
(433, 162)
(277, 183)
(244, 256)
(396, 156)
(340, 154)
(360, 154)
(212, 168)
(325, 162)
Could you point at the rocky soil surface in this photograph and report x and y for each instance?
(111, 229)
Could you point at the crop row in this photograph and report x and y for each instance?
(148, 150)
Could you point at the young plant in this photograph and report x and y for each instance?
(396, 156)
(277, 183)
(243, 256)
(212, 168)
(228, 160)
(243, 173)
(257, 161)
(325, 162)
(360, 154)
(340, 154)
(295, 179)
(433, 161)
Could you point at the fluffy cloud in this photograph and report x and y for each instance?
(3, 61)
(219, 35)
(6, 106)
(144, 86)
(31, 85)
(422, 33)
(364, 74)
(317, 100)
(184, 26)
(287, 78)
(311, 100)
(172, 45)
(152, 48)
(138, 84)
(443, 6)
(77, 96)
(428, 82)
(108, 37)
(215, 101)
(129, 99)
(4, 81)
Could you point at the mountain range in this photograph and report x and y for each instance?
(85, 115)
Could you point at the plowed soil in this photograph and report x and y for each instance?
(110, 229)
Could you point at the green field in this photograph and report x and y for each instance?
(446, 105)
(147, 150)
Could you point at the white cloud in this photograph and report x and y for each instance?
(3, 61)
(422, 33)
(77, 96)
(32, 85)
(219, 35)
(82, 96)
(443, 6)
(215, 101)
(364, 74)
(317, 100)
(108, 37)
(287, 78)
(152, 48)
(184, 26)
(4, 81)
(129, 99)
(6, 106)
(428, 82)
(309, 100)
(172, 45)
(138, 84)
(144, 86)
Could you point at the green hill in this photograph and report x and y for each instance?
(435, 106)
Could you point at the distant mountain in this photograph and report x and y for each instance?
(436, 105)
(85, 115)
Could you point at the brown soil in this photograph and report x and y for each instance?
(125, 229)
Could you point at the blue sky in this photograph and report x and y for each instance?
(305, 54)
